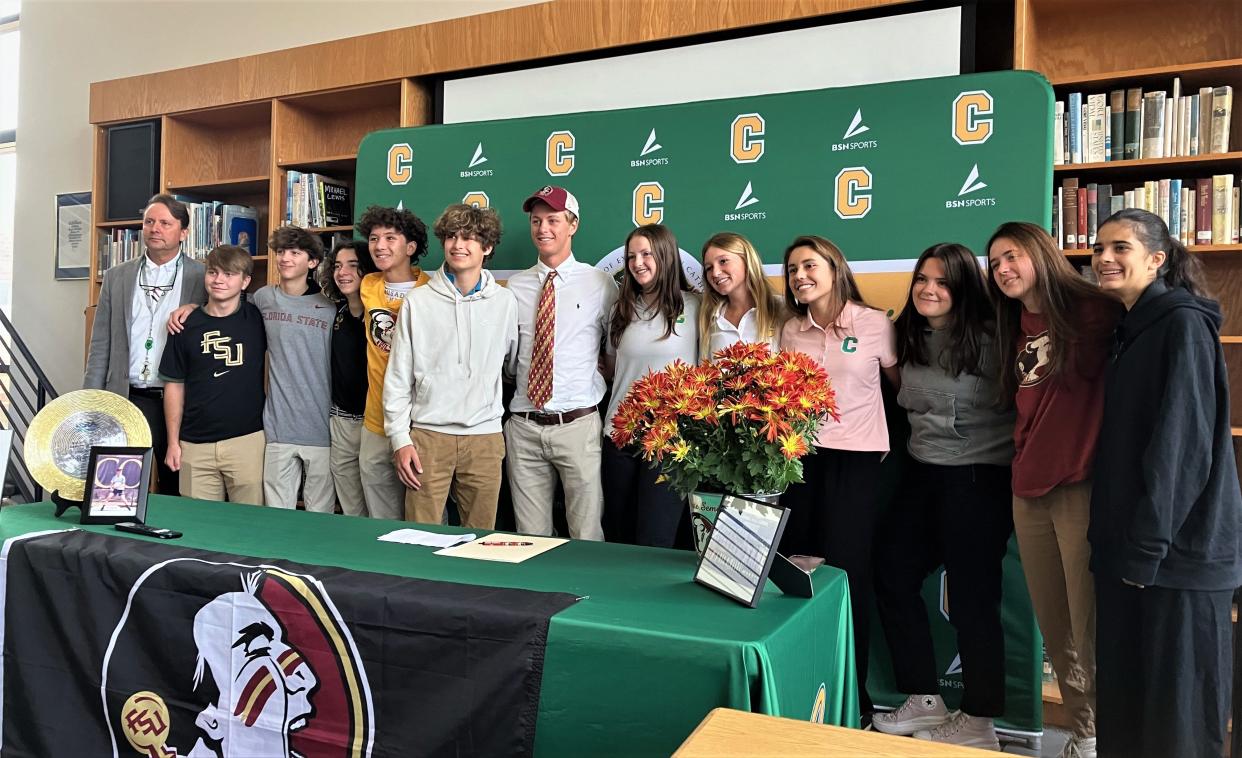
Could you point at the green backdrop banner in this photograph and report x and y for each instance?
(883, 170)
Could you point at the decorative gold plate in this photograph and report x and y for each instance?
(60, 437)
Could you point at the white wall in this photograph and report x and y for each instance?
(66, 45)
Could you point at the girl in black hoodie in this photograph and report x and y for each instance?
(1166, 512)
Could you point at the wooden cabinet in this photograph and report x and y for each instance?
(242, 153)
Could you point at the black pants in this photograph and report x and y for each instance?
(151, 403)
(1163, 662)
(832, 514)
(637, 509)
(960, 517)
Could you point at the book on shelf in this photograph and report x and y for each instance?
(1117, 124)
(1096, 120)
(241, 227)
(1132, 149)
(1222, 113)
(1074, 110)
(314, 200)
(1093, 216)
(1058, 128)
(1153, 124)
(1222, 209)
(1233, 218)
(1203, 211)
(1070, 187)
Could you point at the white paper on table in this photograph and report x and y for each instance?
(506, 548)
(430, 539)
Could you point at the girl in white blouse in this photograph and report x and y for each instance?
(739, 303)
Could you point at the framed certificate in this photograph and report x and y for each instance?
(117, 479)
(741, 548)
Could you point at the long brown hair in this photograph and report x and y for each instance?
(970, 319)
(670, 282)
(844, 288)
(1059, 289)
(769, 309)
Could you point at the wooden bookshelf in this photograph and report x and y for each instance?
(1196, 249)
(1201, 164)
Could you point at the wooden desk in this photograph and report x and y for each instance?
(737, 734)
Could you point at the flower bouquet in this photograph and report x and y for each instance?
(736, 424)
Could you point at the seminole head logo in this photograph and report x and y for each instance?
(266, 667)
(1033, 360)
(380, 327)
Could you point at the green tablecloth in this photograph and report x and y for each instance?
(630, 670)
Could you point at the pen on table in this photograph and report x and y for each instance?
(507, 544)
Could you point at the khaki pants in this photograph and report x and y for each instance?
(537, 455)
(1052, 539)
(467, 464)
(346, 441)
(283, 468)
(231, 468)
(384, 492)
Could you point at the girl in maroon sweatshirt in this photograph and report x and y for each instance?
(1055, 329)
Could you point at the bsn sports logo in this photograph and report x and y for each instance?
(478, 159)
(652, 145)
(746, 134)
(400, 164)
(560, 154)
(971, 125)
(853, 192)
(477, 198)
(972, 185)
(648, 204)
(746, 200)
(855, 128)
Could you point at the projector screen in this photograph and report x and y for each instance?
(892, 48)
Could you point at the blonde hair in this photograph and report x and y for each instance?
(770, 312)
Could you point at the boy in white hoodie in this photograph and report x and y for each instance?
(442, 389)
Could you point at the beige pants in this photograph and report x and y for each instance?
(346, 441)
(537, 455)
(231, 468)
(384, 492)
(285, 465)
(467, 464)
(1052, 539)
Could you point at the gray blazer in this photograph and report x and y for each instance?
(107, 365)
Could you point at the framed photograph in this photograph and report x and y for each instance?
(741, 548)
(117, 479)
(73, 235)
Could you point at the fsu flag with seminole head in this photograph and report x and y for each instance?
(113, 646)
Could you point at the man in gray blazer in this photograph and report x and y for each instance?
(130, 328)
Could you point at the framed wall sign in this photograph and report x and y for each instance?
(73, 235)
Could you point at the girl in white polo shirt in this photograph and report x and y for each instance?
(653, 324)
(739, 304)
(833, 511)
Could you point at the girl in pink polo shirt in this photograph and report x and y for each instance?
(833, 511)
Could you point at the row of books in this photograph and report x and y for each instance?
(1128, 124)
(316, 201)
(1197, 211)
(117, 246)
(215, 223)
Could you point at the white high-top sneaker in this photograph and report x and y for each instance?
(1078, 747)
(963, 729)
(918, 712)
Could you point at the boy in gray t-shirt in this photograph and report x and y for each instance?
(298, 321)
